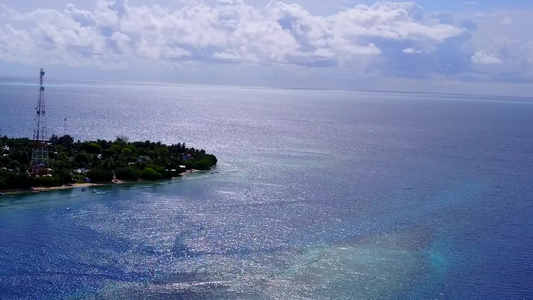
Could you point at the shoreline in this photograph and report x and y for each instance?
(36, 190)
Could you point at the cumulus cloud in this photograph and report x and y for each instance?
(411, 51)
(115, 32)
(506, 60)
(481, 57)
(396, 39)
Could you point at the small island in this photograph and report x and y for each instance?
(95, 162)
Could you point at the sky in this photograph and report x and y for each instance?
(481, 47)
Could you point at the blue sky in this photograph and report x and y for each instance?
(427, 45)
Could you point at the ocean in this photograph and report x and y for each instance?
(318, 194)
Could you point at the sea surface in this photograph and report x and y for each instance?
(318, 195)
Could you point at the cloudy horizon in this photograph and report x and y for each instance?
(424, 46)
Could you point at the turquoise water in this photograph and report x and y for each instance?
(318, 195)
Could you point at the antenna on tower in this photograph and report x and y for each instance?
(39, 156)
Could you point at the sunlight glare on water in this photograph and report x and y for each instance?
(317, 195)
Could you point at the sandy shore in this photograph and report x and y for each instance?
(80, 185)
(68, 186)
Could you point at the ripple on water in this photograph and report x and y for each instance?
(381, 266)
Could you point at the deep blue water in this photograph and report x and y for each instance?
(318, 195)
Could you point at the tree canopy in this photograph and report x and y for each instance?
(98, 161)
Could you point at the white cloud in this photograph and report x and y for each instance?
(359, 40)
(513, 54)
(16, 45)
(230, 30)
(411, 51)
(482, 57)
(389, 21)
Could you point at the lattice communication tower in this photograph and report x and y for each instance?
(39, 156)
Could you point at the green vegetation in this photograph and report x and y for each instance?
(96, 161)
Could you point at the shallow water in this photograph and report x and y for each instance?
(318, 195)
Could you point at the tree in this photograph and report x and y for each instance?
(128, 173)
(54, 139)
(212, 159)
(93, 148)
(13, 165)
(122, 138)
(109, 164)
(65, 176)
(66, 141)
(116, 150)
(46, 181)
(151, 174)
(127, 152)
(17, 181)
(119, 155)
(100, 175)
(82, 159)
(22, 157)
